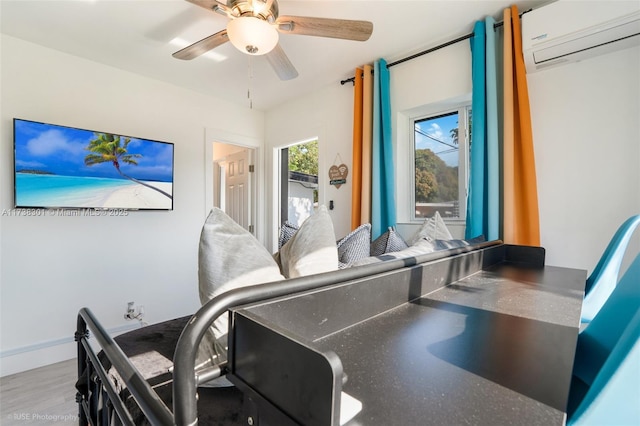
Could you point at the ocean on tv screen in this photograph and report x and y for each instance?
(42, 190)
(58, 166)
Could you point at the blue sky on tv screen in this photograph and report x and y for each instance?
(61, 151)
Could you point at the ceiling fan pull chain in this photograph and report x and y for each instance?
(250, 80)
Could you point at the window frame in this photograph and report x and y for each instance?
(463, 109)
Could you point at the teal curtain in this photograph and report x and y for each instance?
(483, 203)
(383, 199)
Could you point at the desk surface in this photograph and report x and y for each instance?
(492, 346)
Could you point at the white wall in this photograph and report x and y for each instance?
(327, 115)
(52, 266)
(430, 84)
(586, 135)
(586, 125)
(434, 78)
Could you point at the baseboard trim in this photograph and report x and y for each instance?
(62, 341)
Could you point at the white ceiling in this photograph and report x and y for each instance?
(135, 35)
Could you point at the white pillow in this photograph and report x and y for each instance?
(228, 257)
(432, 229)
(312, 250)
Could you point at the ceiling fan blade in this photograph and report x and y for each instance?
(281, 64)
(325, 27)
(203, 46)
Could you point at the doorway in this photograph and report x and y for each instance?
(298, 186)
(234, 182)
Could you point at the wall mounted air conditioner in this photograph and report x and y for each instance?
(567, 31)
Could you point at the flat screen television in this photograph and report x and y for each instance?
(66, 167)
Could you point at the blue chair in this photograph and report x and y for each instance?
(604, 277)
(605, 388)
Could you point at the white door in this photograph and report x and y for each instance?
(237, 193)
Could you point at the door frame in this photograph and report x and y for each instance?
(257, 180)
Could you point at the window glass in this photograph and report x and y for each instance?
(440, 154)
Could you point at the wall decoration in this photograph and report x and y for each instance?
(338, 173)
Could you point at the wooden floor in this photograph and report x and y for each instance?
(42, 396)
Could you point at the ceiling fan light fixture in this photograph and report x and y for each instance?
(252, 35)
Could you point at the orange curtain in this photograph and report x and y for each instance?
(521, 221)
(356, 166)
(362, 136)
(367, 143)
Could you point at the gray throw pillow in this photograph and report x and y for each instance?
(287, 230)
(388, 242)
(354, 246)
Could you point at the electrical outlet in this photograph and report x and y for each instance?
(133, 312)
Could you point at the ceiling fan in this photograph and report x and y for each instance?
(255, 26)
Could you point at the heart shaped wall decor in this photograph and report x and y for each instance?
(338, 175)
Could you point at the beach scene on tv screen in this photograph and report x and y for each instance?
(58, 167)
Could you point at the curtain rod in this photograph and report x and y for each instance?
(433, 49)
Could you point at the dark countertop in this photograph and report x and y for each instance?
(493, 348)
(483, 337)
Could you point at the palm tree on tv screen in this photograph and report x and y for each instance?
(106, 147)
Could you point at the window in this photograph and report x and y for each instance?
(441, 148)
